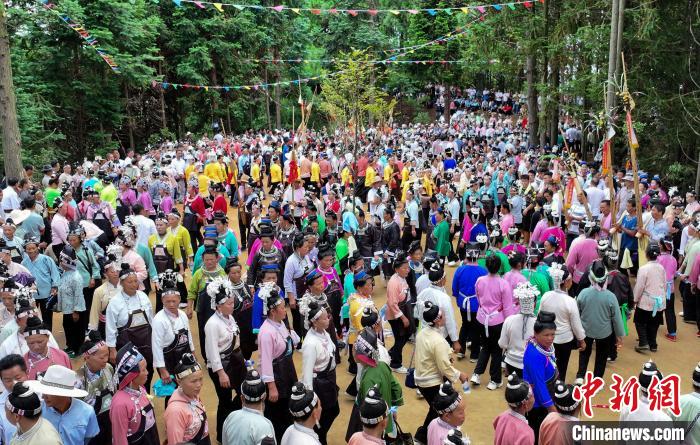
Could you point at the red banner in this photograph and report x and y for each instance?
(569, 193)
(606, 163)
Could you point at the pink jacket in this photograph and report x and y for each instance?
(495, 298)
(581, 255)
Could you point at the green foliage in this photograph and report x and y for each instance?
(352, 95)
(71, 105)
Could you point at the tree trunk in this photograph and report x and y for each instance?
(267, 101)
(618, 43)
(554, 102)
(612, 56)
(163, 123)
(215, 94)
(278, 105)
(546, 99)
(532, 121)
(11, 139)
(447, 99)
(555, 80)
(129, 118)
(278, 92)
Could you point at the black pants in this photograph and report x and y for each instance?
(75, 335)
(647, 329)
(602, 350)
(227, 404)
(670, 314)
(469, 331)
(46, 315)
(407, 238)
(57, 248)
(336, 304)
(535, 418)
(196, 239)
(429, 394)
(691, 304)
(278, 414)
(201, 321)
(562, 351)
(512, 369)
(490, 349)
(243, 230)
(297, 324)
(400, 339)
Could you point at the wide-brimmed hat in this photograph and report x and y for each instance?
(18, 216)
(57, 381)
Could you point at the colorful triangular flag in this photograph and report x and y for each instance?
(481, 9)
(431, 11)
(177, 2)
(218, 6)
(511, 6)
(278, 8)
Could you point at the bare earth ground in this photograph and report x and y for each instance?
(482, 405)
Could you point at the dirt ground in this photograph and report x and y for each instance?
(482, 405)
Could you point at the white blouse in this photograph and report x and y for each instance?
(220, 332)
(317, 351)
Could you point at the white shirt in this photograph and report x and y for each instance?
(10, 200)
(317, 351)
(179, 166)
(220, 332)
(7, 430)
(643, 412)
(118, 313)
(164, 326)
(513, 340)
(568, 319)
(422, 283)
(145, 227)
(595, 196)
(16, 344)
(437, 296)
(298, 434)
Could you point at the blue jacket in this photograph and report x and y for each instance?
(463, 286)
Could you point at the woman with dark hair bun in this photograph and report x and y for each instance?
(23, 409)
(540, 368)
(649, 299)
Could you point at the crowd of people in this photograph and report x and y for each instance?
(545, 258)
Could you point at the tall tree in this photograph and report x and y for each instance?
(11, 142)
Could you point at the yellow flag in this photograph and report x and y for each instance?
(465, 10)
(219, 7)
(395, 12)
(296, 10)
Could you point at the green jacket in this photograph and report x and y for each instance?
(505, 265)
(200, 279)
(441, 233)
(389, 387)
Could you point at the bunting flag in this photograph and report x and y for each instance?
(85, 35)
(355, 12)
(389, 61)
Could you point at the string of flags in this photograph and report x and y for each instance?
(370, 62)
(474, 9)
(86, 36)
(264, 86)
